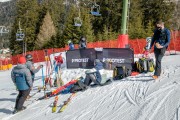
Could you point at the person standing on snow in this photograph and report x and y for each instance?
(21, 77)
(160, 40)
(31, 67)
(96, 75)
(59, 60)
(71, 45)
(82, 43)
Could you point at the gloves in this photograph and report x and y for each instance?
(40, 66)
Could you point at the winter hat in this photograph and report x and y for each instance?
(22, 60)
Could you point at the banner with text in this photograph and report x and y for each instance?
(81, 58)
(111, 57)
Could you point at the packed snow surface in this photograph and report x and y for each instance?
(133, 98)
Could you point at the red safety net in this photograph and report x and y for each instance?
(136, 44)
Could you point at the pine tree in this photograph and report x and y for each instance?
(157, 9)
(27, 14)
(47, 30)
(149, 29)
(87, 28)
(136, 28)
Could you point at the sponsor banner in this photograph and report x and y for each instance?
(113, 57)
(81, 58)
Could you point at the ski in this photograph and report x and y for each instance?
(66, 103)
(54, 108)
(48, 68)
(56, 91)
(32, 95)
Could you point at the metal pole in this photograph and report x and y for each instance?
(124, 17)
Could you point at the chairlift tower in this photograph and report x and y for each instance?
(123, 38)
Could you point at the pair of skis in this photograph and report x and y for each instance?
(65, 104)
(58, 90)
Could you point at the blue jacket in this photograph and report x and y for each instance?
(21, 77)
(162, 37)
(71, 46)
(98, 66)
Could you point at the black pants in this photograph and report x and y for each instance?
(159, 53)
(90, 78)
(21, 98)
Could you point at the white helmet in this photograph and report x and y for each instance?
(69, 41)
(148, 39)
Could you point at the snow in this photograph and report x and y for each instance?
(4, 0)
(133, 98)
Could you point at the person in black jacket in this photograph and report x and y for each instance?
(22, 79)
(82, 43)
(160, 40)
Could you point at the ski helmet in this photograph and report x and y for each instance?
(29, 57)
(148, 39)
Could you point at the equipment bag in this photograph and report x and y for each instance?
(150, 64)
(144, 65)
(120, 72)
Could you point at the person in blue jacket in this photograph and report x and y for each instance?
(160, 40)
(71, 45)
(21, 77)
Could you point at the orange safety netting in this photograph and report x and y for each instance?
(136, 44)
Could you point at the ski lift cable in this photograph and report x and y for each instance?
(77, 6)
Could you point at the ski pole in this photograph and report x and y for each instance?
(43, 80)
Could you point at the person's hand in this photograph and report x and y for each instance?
(40, 66)
(158, 46)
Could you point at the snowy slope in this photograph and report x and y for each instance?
(4, 0)
(133, 98)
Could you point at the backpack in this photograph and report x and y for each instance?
(78, 86)
(150, 64)
(144, 65)
(120, 72)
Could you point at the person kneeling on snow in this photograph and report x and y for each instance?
(21, 77)
(96, 75)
